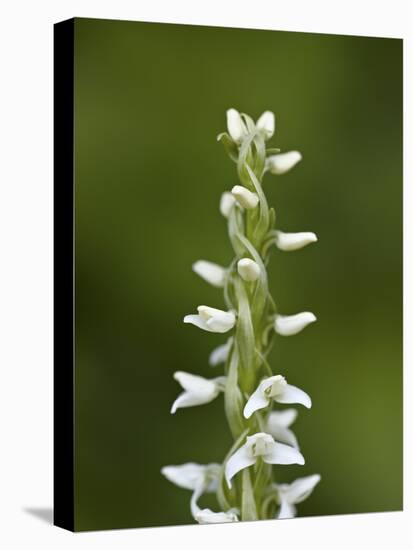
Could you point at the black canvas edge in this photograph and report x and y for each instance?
(63, 248)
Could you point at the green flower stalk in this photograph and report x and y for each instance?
(244, 483)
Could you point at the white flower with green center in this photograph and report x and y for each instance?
(294, 241)
(291, 494)
(278, 424)
(212, 319)
(275, 388)
(212, 273)
(283, 162)
(261, 446)
(198, 390)
(288, 325)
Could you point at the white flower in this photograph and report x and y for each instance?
(293, 493)
(248, 269)
(211, 319)
(198, 390)
(199, 479)
(212, 273)
(191, 475)
(275, 388)
(226, 203)
(294, 241)
(261, 445)
(245, 198)
(288, 325)
(236, 126)
(282, 162)
(208, 516)
(266, 123)
(220, 354)
(278, 423)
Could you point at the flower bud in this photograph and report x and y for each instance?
(236, 127)
(226, 203)
(281, 163)
(294, 241)
(211, 273)
(266, 123)
(288, 325)
(248, 269)
(245, 198)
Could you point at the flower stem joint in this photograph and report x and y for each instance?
(244, 483)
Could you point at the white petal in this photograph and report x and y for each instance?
(283, 454)
(287, 510)
(241, 459)
(236, 128)
(301, 488)
(291, 394)
(208, 516)
(266, 123)
(282, 435)
(221, 322)
(226, 203)
(198, 391)
(282, 162)
(210, 272)
(294, 241)
(257, 400)
(194, 383)
(288, 325)
(283, 418)
(245, 198)
(197, 321)
(248, 269)
(220, 354)
(187, 476)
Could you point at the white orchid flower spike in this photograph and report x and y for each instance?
(288, 325)
(261, 446)
(294, 241)
(220, 354)
(211, 319)
(294, 493)
(278, 424)
(275, 388)
(198, 390)
(212, 273)
(266, 124)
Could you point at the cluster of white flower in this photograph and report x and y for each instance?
(262, 436)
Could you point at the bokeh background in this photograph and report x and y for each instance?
(149, 102)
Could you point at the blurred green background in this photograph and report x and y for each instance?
(149, 102)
